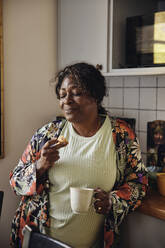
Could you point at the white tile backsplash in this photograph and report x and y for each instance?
(132, 114)
(106, 99)
(107, 81)
(105, 102)
(116, 82)
(148, 98)
(116, 112)
(148, 81)
(146, 116)
(131, 82)
(131, 98)
(143, 141)
(161, 81)
(161, 98)
(160, 115)
(116, 97)
(139, 97)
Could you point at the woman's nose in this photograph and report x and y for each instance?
(68, 98)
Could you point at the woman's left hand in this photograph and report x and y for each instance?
(102, 201)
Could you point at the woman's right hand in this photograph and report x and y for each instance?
(49, 155)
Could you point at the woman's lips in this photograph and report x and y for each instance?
(69, 111)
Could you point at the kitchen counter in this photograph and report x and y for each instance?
(154, 205)
(144, 228)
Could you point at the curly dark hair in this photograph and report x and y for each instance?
(87, 77)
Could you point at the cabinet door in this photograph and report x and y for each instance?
(82, 32)
(143, 42)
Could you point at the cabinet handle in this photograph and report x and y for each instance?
(99, 67)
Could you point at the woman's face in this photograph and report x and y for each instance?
(75, 102)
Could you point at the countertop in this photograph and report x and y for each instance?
(154, 205)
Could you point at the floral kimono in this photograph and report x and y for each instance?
(129, 189)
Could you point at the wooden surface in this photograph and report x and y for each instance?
(153, 205)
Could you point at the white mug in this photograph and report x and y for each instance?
(80, 199)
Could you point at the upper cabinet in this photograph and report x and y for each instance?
(82, 32)
(124, 37)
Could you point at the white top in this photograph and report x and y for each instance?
(85, 162)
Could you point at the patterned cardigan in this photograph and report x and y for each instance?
(130, 186)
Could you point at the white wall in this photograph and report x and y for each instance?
(29, 64)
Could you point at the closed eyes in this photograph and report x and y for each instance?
(70, 95)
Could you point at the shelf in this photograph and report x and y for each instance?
(136, 71)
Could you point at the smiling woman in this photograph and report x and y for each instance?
(101, 153)
(1, 88)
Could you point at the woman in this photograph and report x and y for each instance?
(102, 153)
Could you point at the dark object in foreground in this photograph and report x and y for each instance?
(34, 239)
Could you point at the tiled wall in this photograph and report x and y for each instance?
(140, 97)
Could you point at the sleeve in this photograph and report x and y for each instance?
(23, 178)
(131, 188)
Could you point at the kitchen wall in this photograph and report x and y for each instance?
(140, 97)
(29, 30)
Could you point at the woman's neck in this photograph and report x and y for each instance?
(87, 128)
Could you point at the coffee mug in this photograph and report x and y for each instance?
(80, 199)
